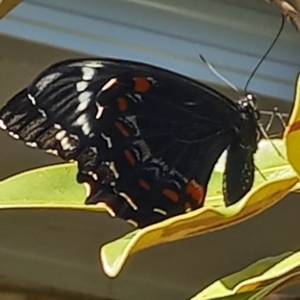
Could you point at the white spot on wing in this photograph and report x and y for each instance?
(60, 135)
(14, 135)
(42, 112)
(94, 149)
(52, 151)
(109, 84)
(84, 123)
(112, 167)
(100, 110)
(81, 86)
(93, 175)
(107, 139)
(2, 125)
(31, 144)
(128, 200)
(84, 99)
(87, 73)
(86, 128)
(32, 99)
(160, 211)
(82, 119)
(88, 189)
(85, 96)
(82, 106)
(132, 222)
(65, 143)
(74, 137)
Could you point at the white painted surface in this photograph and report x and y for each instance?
(233, 35)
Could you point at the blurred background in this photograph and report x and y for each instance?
(233, 35)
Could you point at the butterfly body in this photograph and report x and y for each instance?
(146, 139)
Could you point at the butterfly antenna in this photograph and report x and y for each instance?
(262, 130)
(213, 69)
(266, 53)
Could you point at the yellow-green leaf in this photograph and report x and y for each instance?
(48, 187)
(256, 281)
(292, 132)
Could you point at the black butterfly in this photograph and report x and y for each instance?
(146, 139)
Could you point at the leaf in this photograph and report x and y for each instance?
(292, 132)
(214, 215)
(48, 187)
(256, 281)
(55, 187)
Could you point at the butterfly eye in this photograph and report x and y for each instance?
(251, 98)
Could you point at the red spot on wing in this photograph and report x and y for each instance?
(122, 129)
(144, 184)
(172, 195)
(141, 84)
(196, 191)
(129, 156)
(122, 103)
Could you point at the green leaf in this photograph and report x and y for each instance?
(256, 281)
(48, 187)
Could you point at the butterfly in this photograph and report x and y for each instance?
(145, 139)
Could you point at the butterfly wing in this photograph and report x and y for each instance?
(145, 139)
(239, 172)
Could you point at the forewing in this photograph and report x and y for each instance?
(145, 139)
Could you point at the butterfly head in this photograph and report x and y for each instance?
(249, 104)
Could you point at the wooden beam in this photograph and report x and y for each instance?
(7, 5)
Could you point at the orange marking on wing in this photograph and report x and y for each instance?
(142, 85)
(122, 103)
(144, 184)
(122, 129)
(195, 190)
(130, 157)
(171, 194)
